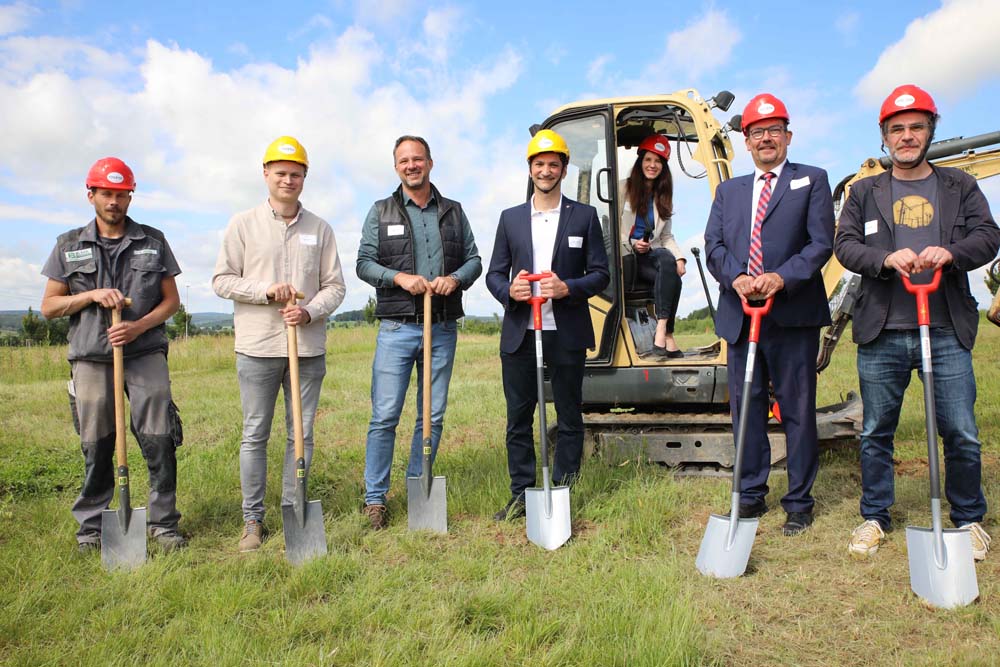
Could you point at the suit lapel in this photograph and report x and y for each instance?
(780, 188)
(744, 201)
(882, 193)
(565, 211)
(948, 196)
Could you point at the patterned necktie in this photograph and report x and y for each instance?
(756, 264)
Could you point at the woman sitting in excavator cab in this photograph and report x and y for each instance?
(647, 206)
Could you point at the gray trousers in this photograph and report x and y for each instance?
(155, 424)
(260, 378)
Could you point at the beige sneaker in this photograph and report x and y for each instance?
(980, 540)
(865, 539)
(252, 537)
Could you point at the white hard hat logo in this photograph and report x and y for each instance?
(115, 177)
(545, 142)
(659, 146)
(287, 149)
(905, 100)
(765, 107)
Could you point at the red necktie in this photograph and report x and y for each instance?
(756, 264)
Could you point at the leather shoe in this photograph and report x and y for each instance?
(752, 510)
(674, 354)
(514, 509)
(796, 522)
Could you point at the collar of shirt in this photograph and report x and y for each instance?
(407, 200)
(298, 213)
(535, 211)
(758, 172)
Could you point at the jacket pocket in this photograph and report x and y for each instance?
(147, 274)
(81, 277)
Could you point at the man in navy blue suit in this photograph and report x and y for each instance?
(548, 233)
(769, 235)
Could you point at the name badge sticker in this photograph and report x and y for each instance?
(797, 183)
(575, 241)
(307, 239)
(871, 227)
(395, 230)
(79, 255)
(146, 251)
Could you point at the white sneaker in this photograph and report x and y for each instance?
(980, 540)
(865, 539)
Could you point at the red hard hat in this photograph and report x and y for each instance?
(112, 174)
(763, 107)
(907, 97)
(656, 143)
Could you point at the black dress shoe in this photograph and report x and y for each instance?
(752, 510)
(514, 509)
(796, 522)
(674, 354)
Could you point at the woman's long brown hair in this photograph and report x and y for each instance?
(638, 189)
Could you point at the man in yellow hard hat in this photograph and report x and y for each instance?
(91, 270)
(412, 242)
(554, 234)
(269, 253)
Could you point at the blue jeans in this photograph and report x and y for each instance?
(260, 378)
(884, 367)
(398, 348)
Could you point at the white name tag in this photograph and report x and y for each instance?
(307, 239)
(395, 230)
(799, 183)
(79, 255)
(575, 241)
(871, 227)
(146, 251)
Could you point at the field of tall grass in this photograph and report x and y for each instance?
(623, 591)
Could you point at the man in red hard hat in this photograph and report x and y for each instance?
(911, 219)
(91, 270)
(768, 236)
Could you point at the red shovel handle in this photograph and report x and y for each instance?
(922, 291)
(536, 301)
(756, 313)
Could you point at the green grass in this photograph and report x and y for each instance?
(624, 591)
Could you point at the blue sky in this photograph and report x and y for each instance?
(190, 94)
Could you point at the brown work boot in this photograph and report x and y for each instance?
(377, 515)
(252, 537)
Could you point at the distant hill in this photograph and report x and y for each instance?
(212, 320)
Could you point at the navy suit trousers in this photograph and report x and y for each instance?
(786, 356)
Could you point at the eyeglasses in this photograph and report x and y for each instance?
(914, 128)
(774, 132)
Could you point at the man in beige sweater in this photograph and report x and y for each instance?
(269, 253)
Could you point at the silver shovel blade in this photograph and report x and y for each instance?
(123, 548)
(426, 511)
(717, 557)
(304, 541)
(548, 529)
(947, 584)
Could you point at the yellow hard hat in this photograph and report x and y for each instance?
(547, 141)
(286, 148)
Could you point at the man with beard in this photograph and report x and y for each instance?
(768, 236)
(548, 233)
(912, 219)
(413, 241)
(90, 271)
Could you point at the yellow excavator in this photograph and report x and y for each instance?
(675, 411)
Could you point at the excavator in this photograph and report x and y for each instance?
(675, 411)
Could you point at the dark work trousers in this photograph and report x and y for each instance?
(658, 266)
(155, 424)
(520, 389)
(787, 357)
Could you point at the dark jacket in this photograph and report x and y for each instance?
(579, 259)
(968, 232)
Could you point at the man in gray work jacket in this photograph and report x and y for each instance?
(414, 241)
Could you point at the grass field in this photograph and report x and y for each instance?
(624, 591)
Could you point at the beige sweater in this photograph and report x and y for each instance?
(258, 250)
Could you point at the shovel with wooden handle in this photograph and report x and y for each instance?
(942, 569)
(725, 548)
(426, 500)
(305, 535)
(123, 530)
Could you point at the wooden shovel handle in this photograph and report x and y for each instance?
(118, 356)
(293, 373)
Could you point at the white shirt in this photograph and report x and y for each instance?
(544, 225)
(758, 186)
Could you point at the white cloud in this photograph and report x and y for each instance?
(21, 283)
(949, 52)
(704, 45)
(34, 214)
(316, 22)
(595, 70)
(16, 17)
(440, 27)
(846, 26)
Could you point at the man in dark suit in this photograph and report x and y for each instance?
(916, 217)
(769, 235)
(548, 233)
